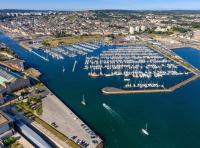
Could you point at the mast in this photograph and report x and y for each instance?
(146, 127)
(83, 98)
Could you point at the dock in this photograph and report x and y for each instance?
(40, 56)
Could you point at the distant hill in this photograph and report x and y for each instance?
(110, 11)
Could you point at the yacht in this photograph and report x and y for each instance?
(145, 131)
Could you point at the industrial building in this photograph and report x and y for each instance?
(10, 82)
(6, 126)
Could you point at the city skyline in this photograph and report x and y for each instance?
(102, 4)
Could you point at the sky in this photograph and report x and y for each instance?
(101, 4)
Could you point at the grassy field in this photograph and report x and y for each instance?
(70, 40)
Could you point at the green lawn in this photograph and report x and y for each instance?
(71, 40)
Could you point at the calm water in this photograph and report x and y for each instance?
(173, 119)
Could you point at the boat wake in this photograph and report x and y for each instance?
(112, 112)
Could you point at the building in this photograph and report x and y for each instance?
(131, 30)
(143, 28)
(17, 64)
(6, 126)
(31, 135)
(10, 82)
(161, 29)
(2, 46)
(137, 29)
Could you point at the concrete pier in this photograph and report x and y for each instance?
(116, 91)
(40, 56)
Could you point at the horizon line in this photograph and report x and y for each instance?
(24, 9)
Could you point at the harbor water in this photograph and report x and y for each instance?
(173, 118)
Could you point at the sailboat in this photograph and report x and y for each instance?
(63, 69)
(145, 131)
(83, 101)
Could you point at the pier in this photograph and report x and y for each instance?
(40, 56)
(117, 91)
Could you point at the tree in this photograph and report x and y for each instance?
(45, 43)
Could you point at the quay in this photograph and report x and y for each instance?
(69, 124)
(70, 130)
(117, 91)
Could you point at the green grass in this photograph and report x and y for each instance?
(39, 109)
(71, 40)
(9, 141)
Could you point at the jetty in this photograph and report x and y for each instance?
(40, 56)
(117, 91)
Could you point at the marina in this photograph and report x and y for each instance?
(71, 51)
(139, 66)
(120, 118)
